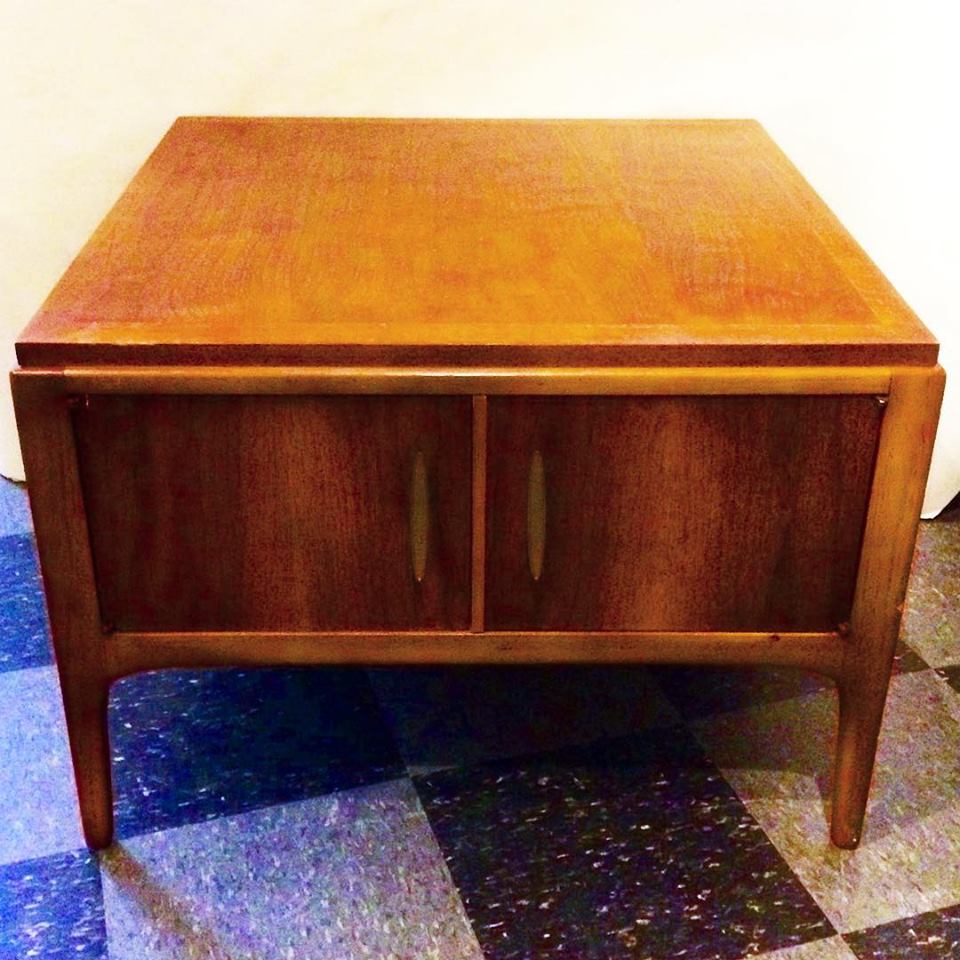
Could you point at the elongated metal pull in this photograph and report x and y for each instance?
(419, 516)
(536, 515)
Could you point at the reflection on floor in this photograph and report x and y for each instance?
(481, 812)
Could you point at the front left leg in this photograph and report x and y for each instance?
(85, 708)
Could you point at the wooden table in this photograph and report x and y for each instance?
(391, 391)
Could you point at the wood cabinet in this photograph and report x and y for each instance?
(676, 513)
(378, 392)
(679, 513)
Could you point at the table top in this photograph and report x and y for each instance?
(471, 242)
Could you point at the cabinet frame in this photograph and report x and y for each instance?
(858, 658)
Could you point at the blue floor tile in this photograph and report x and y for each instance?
(192, 745)
(52, 908)
(24, 638)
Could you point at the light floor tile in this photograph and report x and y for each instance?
(350, 875)
(778, 759)
(950, 677)
(452, 716)
(931, 621)
(832, 948)
(38, 806)
(14, 509)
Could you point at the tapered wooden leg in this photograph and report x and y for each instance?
(85, 708)
(861, 712)
(903, 458)
(79, 640)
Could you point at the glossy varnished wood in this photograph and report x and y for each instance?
(471, 242)
(611, 381)
(90, 658)
(681, 513)
(906, 444)
(478, 539)
(57, 504)
(409, 391)
(132, 652)
(244, 513)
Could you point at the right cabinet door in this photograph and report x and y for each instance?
(676, 513)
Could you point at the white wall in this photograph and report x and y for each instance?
(860, 95)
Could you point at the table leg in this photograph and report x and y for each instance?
(903, 458)
(861, 711)
(43, 411)
(85, 709)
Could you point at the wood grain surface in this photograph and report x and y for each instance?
(227, 513)
(407, 391)
(661, 381)
(70, 590)
(308, 241)
(680, 513)
(132, 652)
(903, 460)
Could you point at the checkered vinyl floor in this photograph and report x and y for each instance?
(525, 812)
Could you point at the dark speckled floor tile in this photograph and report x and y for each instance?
(929, 936)
(831, 948)
(952, 676)
(193, 745)
(24, 640)
(908, 660)
(52, 908)
(635, 847)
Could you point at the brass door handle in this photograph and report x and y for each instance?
(536, 515)
(419, 516)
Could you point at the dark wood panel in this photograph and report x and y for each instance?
(679, 513)
(216, 513)
(317, 241)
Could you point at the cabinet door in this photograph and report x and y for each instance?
(277, 513)
(676, 513)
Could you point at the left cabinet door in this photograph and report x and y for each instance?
(278, 512)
